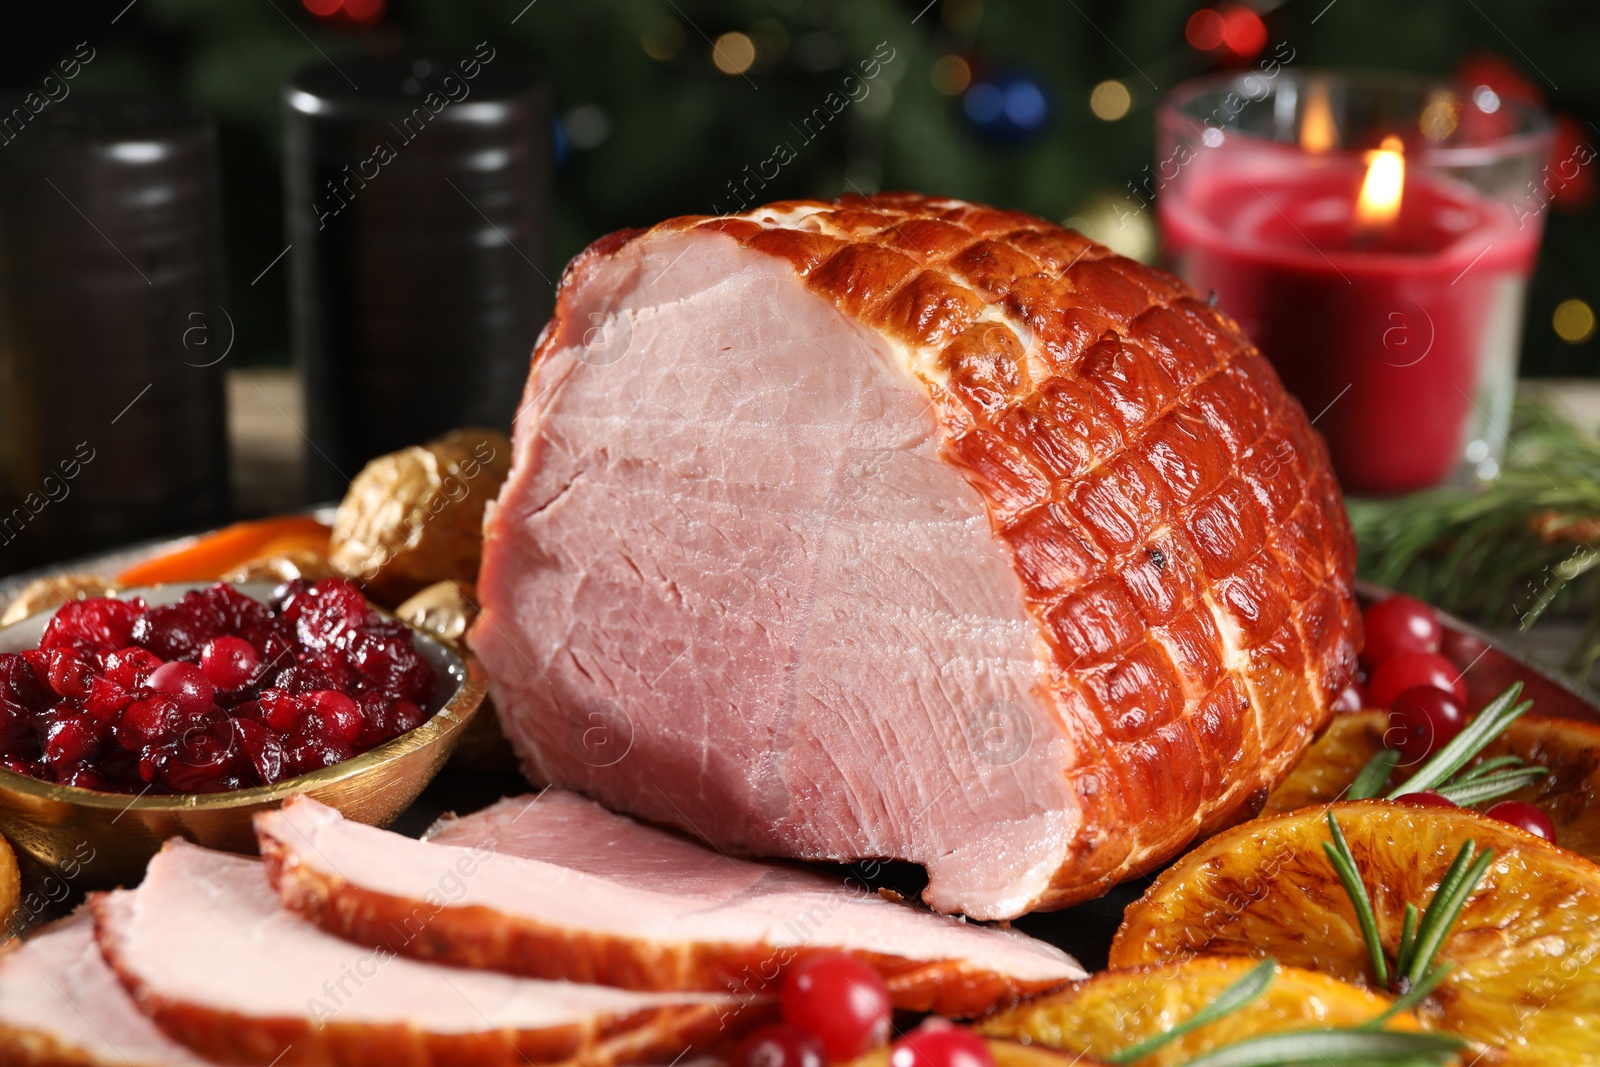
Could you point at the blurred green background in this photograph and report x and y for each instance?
(662, 103)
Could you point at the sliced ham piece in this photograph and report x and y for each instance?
(555, 886)
(208, 953)
(61, 1005)
(912, 529)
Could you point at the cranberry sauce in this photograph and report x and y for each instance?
(217, 691)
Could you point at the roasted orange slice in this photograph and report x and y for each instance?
(1569, 794)
(1524, 955)
(1005, 1053)
(1111, 1012)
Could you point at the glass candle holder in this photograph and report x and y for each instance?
(1373, 234)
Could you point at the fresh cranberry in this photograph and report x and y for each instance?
(1421, 720)
(98, 624)
(779, 1045)
(333, 715)
(941, 1046)
(1397, 625)
(130, 667)
(841, 1000)
(186, 684)
(1426, 798)
(1410, 669)
(1350, 698)
(69, 675)
(1522, 814)
(230, 662)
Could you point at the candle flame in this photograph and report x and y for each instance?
(1379, 204)
(1317, 130)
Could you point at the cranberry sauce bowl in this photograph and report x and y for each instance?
(185, 709)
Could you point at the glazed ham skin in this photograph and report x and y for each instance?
(60, 1005)
(208, 953)
(912, 529)
(556, 887)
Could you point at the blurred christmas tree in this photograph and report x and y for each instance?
(676, 106)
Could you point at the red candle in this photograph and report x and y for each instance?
(1388, 297)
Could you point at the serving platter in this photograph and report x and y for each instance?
(1489, 663)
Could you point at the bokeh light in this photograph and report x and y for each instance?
(1573, 321)
(1110, 100)
(734, 53)
(663, 39)
(1204, 30)
(951, 75)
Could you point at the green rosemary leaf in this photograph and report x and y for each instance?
(1369, 783)
(1490, 722)
(1344, 864)
(1443, 911)
(1418, 993)
(1489, 766)
(1491, 786)
(1339, 1046)
(1408, 937)
(1251, 985)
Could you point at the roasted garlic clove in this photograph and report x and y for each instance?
(445, 610)
(415, 517)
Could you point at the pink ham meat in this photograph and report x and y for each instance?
(60, 1005)
(557, 887)
(912, 529)
(208, 953)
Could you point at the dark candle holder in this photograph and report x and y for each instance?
(113, 424)
(417, 199)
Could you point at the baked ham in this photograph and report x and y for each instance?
(60, 1005)
(555, 886)
(908, 528)
(208, 953)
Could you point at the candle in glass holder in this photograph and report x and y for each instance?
(1366, 232)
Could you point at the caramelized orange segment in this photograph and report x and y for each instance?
(1114, 1010)
(1005, 1053)
(1524, 954)
(1569, 794)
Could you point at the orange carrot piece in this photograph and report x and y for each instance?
(215, 554)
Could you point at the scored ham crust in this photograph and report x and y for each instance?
(207, 952)
(912, 529)
(556, 887)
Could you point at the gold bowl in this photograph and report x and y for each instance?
(95, 839)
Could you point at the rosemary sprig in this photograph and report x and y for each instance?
(1420, 938)
(1417, 995)
(1368, 1043)
(1443, 771)
(1443, 910)
(1489, 786)
(1335, 1045)
(1370, 782)
(1344, 864)
(1251, 985)
(1506, 552)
